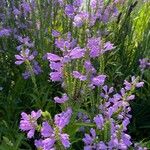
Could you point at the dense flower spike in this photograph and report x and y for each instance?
(114, 118)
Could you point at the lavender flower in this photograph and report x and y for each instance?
(99, 120)
(16, 12)
(63, 99)
(26, 7)
(35, 68)
(64, 138)
(29, 122)
(5, 32)
(98, 80)
(108, 46)
(26, 75)
(24, 56)
(106, 92)
(69, 10)
(25, 42)
(134, 82)
(80, 18)
(144, 63)
(77, 3)
(46, 130)
(77, 53)
(93, 4)
(53, 57)
(57, 66)
(55, 33)
(62, 119)
(94, 45)
(79, 76)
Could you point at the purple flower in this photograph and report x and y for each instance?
(99, 120)
(125, 122)
(36, 68)
(26, 7)
(77, 3)
(128, 85)
(106, 92)
(51, 135)
(53, 57)
(98, 80)
(16, 12)
(88, 66)
(25, 41)
(134, 82)
(78, 20)
(57, 66)
(5, 32)
(77, 52)
(144, 63)
(93, 4)
(55, 33)
(131, 97)
(48, 143)
(69, 10)
(94, 45)
(63, 99)
(79, 76)
(29, 122)
(46, 130)
(26, 74)
(56, 76)
(95, 51)
(126, 139)
(66, 59)
(61, 2)
(62, 119)
(38, 143)
(89, 139)
(59, 43)
(101, 146)
(64, 138)
(24, 55)
(139, 84)
(108, 46)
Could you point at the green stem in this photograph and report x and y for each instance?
(29, 68)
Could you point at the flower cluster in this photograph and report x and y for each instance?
(49, 132)
(25, 56)
(113, 119)
(98, 11)
(95, 48)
